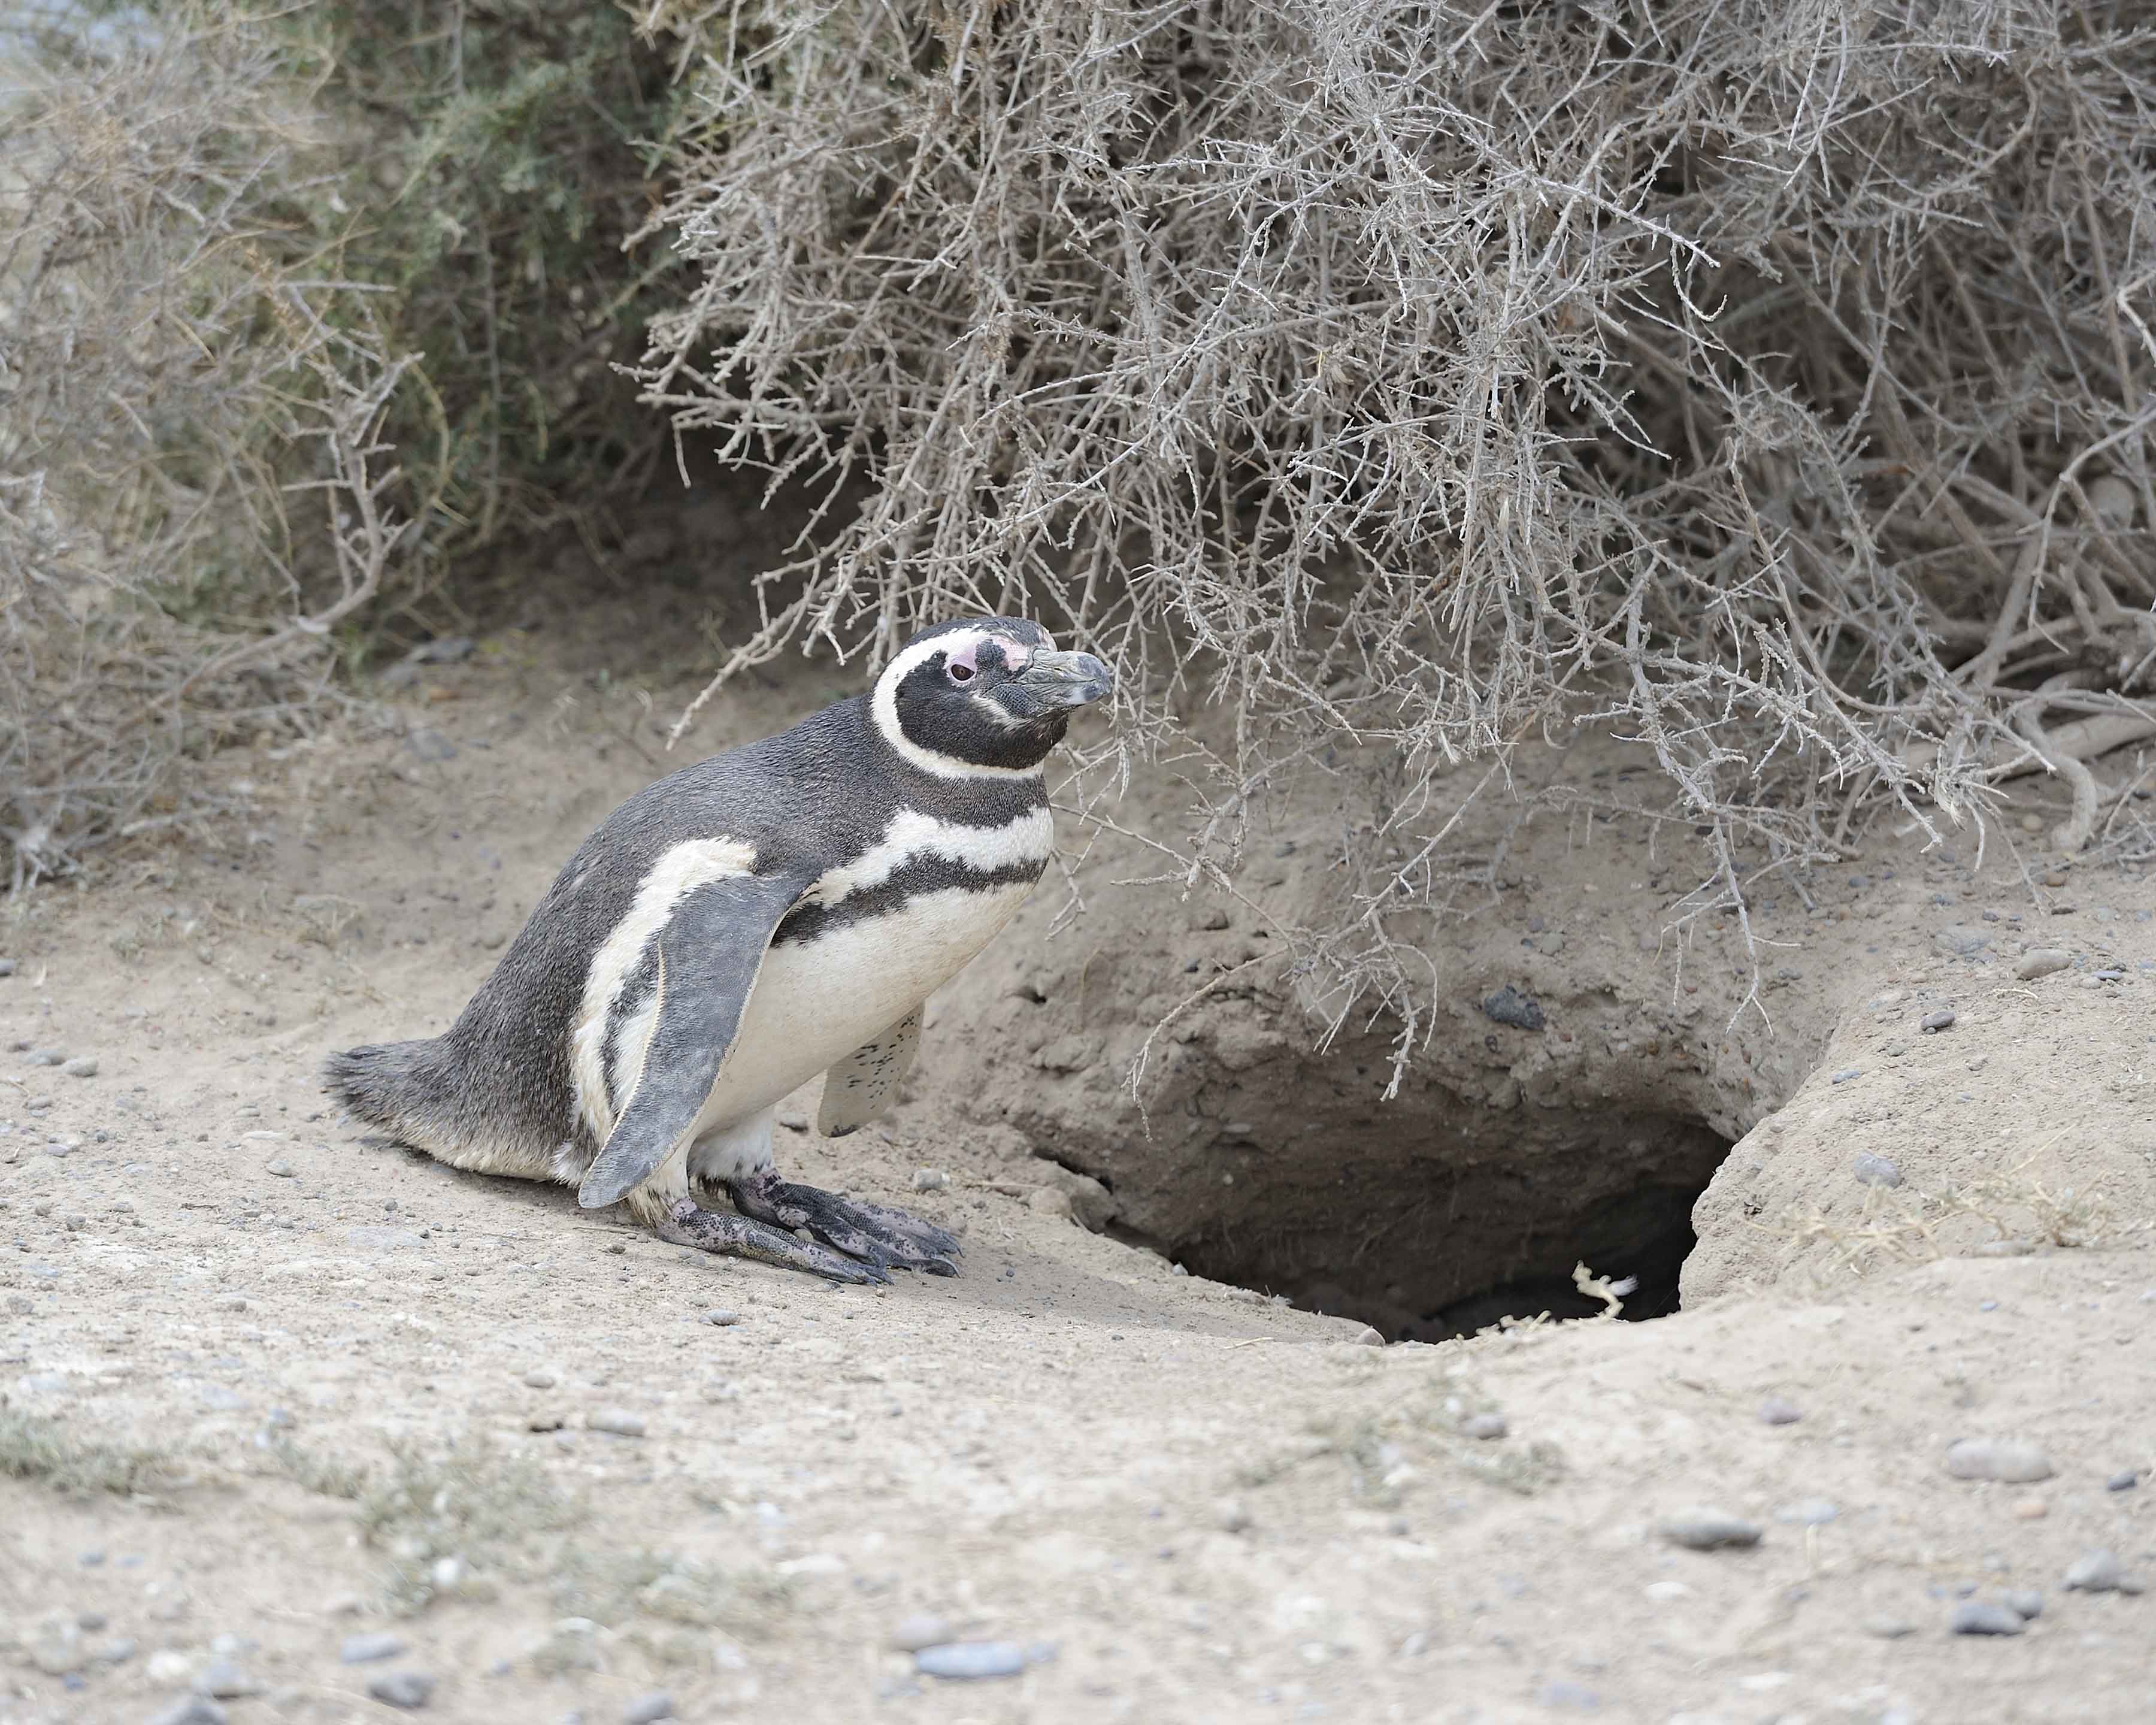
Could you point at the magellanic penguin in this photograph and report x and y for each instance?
(780, 910)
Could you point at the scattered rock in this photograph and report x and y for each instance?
(649, 1709)
(1962, 939)
(793, 1119)
(364, 1650)
(1876, 1170)
(2031, 1509)
(1230, 1516)
(2096, 1572)
(1509, 1006)
(1564, 1692)
(1709, 1530)
(922, 1628)
(930, 1179)
(283, 1169)
(1889, 1629)
(617, 1420)
(1985, 1617)
(48, 1056)
(2125, 1481)
(408, 1689)
(2000, 1459)
(7, 966)
(223, 1680)
(81, 1066)
(539, 1378)
(1934, 1022)
(724, 1319)
(965, 1661)
(1780, 1410)
(1485, 1426)
(195, 1710)
(2026, 1602)
(1847, 1073)
(2041, 961)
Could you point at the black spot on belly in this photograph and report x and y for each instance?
(928, 873)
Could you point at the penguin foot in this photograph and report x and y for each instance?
(689, 1223)
(874, 1233)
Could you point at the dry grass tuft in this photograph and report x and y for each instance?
(1771, 383)
(50, 1453)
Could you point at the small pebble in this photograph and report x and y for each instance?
(930, 1179)
(2031, 1509)
(81, 1066)
(921, 1629)
(1934, 1022)
(793, 1119)
(964, 1661)
(1232, 1518)
(1889, 1629)
(1708, 1530)
(539, 1379)
(1777, 1410)
(408, 1689)
(649, 1709)
(7, 966)
(2096, 1572)
(1985, 1617)
(48, 1056)
(1876, 1170)
(195, 1710)
(1808, 1512)
(2000, 1459)
(223, 1680)
(719, 1316)
(617, 1420)
(364, 1650)
(281, 1167)
(1847, 1073)
(2026, 1602)
(2125, 1481)
(1485, 1426)
(2041, 962)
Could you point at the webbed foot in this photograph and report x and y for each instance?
(873, 1233)
(689, 1224)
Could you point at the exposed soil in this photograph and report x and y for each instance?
(272, 1385)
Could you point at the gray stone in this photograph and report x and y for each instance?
(1709, 1530)
(408, 1689)
(2096, 1571)
(724, 1319)
(1780, 1410)
(1889, 1629)
(283, 1169)
(364, 1650)
(1509, 1006)
(965, 1661)
(1962, 939)
(2041, 962)
(1485, 1426)
(793, 1119)
(1934, 1022)
(195, 1710)
(1876, 1170)
(7, 966)
(224, 1681)
(2025, 1602)
(1808, 1512)
(81, 1066)
(48, 1056)
(1565, 1693)
(2000, 1459)
(1986, 1617)
(649, 1709)
(1847, 1073)
(2125, 1481)
(930, 1179)
(617, 1420)
(922, 1628)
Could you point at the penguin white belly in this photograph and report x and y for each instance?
(816, 1001)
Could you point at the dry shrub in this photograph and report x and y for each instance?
(1769, 382)
(190, 473)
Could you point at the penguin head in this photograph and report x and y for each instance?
(983, 695)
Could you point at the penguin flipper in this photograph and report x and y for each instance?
(710, 952)
(863, 1085)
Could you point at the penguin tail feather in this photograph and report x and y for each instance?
(384, 1084)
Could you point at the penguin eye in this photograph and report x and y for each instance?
(962, 672)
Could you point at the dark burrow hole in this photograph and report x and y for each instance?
(1438, 1232)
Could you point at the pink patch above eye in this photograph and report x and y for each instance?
(1017, 656)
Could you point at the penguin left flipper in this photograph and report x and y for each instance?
(861, 1086)
(710, 952)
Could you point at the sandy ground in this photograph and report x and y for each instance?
(270, 1387)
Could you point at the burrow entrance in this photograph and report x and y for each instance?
(1431, 1226)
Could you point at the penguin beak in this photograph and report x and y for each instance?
(1053, 681)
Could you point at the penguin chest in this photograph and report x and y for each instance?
(836, 981)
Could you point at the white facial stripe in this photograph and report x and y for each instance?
(679, 870)
(884, 705)
(1029, 839)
